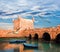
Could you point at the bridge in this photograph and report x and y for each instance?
(52, 33)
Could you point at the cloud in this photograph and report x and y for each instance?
(9, 6)
(6, 25)
(35, 8)
(15, 13)
(53, 7)
(7, 17)
(44, 10)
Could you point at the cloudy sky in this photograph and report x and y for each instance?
(45, 12)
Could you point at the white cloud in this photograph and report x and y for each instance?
(52, 7)
(6, 25)
(13, 6)
(6, 17)
(35, 8)
(44, 9)
(23, 2)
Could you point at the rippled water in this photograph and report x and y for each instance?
(42, 47)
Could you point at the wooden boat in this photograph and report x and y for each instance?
(21, 41)
(17, 41)
(26, 45)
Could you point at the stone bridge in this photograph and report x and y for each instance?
(46, 33)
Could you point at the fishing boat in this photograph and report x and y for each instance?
(17, 41)
(26, 45)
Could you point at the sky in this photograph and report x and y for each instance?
(45, 12)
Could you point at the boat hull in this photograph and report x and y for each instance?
(30, 45)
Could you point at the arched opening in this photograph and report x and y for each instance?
(36, 36)
(46, 36)
(30, 36)
(58, 38)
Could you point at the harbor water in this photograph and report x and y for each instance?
(42, 47)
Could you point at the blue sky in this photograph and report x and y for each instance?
(46, 12)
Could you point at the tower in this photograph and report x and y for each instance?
(22, 24)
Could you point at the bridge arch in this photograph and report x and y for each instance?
(36, 36)
(57, 39)
(30, 36)
(46, 36)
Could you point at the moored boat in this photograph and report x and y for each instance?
(17, 41)
(26, 45)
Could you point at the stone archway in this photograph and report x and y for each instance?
(46, 36)
(36, 36)
(57, 39)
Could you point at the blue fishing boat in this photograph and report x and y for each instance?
(21, 41)
(17, 41)
(26, 45)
